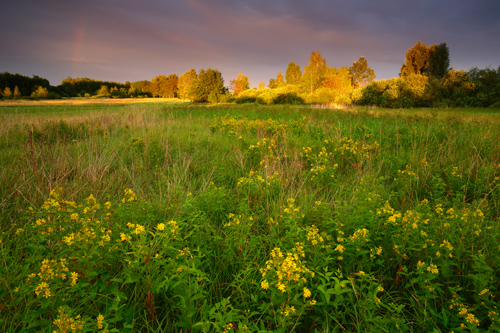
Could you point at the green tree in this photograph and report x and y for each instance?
(293, 73)
(209, 86)
(361, 74)
(439, 60)
(186, 82)
(240, 84)
(314, 72)
(7, 93)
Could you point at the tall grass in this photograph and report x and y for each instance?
(160, 217)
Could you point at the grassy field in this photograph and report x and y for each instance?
(166, 216)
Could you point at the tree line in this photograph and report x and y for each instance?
(425, 80)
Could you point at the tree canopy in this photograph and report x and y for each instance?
(314, 72)
(361, 74)
(293, 73)
(240, 84)
(431, 60)
(209, 86)
(186, 82)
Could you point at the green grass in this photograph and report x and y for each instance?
(168, 216)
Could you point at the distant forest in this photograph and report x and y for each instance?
(425, 80)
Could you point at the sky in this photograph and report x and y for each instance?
(132, 40)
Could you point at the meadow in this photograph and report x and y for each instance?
(165, 216)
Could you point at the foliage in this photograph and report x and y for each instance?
(73, 86)
(240, 84)
(40, 92)
(432, 60)
(25, 84)
(360, 73)
(439, 60)
(209, 86)
(314, 72)
(293, 73)
(186, 82)
(163, 86)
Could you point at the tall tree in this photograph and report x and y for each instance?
(361, 74)
(157, 85)
(209, 86)
(280, 80)
(240, 84)
(7, 93)
(103, 91)
(170, 88)
(293, 73)
(314, 72)
(17, 93)
(431, 60)
(186, 82)
(416, 60)
(439, 60)
(338, 80)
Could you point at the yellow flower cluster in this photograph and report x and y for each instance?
(360, 149)
(50, 271)
(265, 146)
(313, 235)
(360, 235)
(129, 196)
(238, 220)
(455, 173)
(290, 210)
(228, 327)
(254, 178)
(65, 323)
(286, 271)
(185, 252)
(100, 321)
(289, 310)
(463, 311)
(407, 171)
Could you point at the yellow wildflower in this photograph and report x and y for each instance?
(74, 277)
(100, 320)
(264, 284)
(483, 292)
(139, 229)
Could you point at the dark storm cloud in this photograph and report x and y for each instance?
(133, 40)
